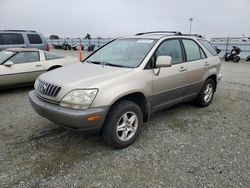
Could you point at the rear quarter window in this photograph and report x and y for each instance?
(208, 46)
(34, 39)
(11, 39)
(51, 56)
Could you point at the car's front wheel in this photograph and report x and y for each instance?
(206, 94)
(122, 125)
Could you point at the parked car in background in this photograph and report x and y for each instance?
(121, 84)
(22, 39)
(21, 66)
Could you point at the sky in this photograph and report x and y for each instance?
(115, 18)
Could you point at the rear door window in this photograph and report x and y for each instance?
(11, 39)
(193, 50)
(34, 39)
(25, 57)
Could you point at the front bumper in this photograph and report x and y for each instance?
(219, 77)
(70, 118)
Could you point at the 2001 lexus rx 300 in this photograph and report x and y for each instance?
(117, 88)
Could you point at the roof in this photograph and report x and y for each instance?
(22, 49)
(10, 30)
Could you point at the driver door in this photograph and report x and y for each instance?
(22, 68)
(169, 84)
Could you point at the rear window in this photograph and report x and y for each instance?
(34, 39)
(50, 56)
(209, 47)
(11, 39)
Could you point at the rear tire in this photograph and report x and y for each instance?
(206, 94)
(122, 125)
(236, 59)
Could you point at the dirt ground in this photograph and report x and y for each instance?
(183, 146)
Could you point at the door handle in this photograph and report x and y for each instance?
(206, 64)
(182, 69)
(38, 65)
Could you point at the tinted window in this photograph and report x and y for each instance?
(209, 47)
(25, 57)
(193, 51)
(171, 48)
(34, 39)
(50, 56)
(11, 38)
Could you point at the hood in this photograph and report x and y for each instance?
(83, 75)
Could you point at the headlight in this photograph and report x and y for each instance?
(79, 99)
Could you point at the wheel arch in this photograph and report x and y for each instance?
(54, 67)
(214, 78)
(138, 98)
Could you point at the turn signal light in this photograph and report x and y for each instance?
(94, 118)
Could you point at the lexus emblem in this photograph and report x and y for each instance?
(44, 87)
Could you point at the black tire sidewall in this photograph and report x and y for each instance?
(201, 101)
(110, 125)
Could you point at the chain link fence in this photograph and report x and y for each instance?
(226, 46)
(78, 41)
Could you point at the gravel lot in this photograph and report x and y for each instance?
(183, 146)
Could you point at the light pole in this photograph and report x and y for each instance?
(190, 29)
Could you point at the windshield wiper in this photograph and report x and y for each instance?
(107, 63)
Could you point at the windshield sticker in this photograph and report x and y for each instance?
(144, 41)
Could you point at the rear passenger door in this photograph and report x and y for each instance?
(169, 84)
(196, 63)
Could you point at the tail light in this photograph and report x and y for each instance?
(47, 47)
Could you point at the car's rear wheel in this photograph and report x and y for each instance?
(206, 94)
(122, 125)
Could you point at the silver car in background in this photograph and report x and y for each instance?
(22, 39)
(21, 66)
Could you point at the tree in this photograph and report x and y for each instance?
(54, 37)
(88, 36)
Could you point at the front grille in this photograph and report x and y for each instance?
(47, 89)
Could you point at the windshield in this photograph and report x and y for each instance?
(123, 53)
(4, 55)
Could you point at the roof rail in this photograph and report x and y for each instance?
(159, 32)
(195, 35)
(169, 32)
(20, 31)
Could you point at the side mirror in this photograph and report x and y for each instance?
(163, 61)
(8, 63)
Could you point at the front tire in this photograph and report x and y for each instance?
(206, 94)
(123, 124)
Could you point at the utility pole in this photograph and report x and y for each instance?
(190, 29)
